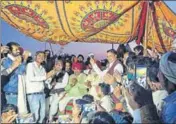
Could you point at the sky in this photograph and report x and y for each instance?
(8, 33)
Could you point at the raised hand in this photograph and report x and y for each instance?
(4, 49)
(92, 61)
(26, 54)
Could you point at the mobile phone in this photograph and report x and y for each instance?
(89, 107)
(140, 71)
(125, 82)
(141, 75)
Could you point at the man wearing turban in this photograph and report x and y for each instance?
(76, 87)
(167, 77)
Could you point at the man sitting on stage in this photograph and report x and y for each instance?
(76, 87)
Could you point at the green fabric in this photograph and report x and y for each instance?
(69, 108)
(79, 89)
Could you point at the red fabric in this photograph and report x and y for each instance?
(142, 22)
(157, 28)
(69, 111)
(77, 65)
(75, 59)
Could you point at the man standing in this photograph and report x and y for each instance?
(114, 65)
(35, 77)
(14, 66)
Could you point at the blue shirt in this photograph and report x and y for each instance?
(12, 84)
(168, 113)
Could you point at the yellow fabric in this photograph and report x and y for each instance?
(62, 22)
(164, 17)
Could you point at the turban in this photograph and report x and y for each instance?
(168, 68)
(77, 65)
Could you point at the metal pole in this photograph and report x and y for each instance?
(146, 31)
(51, 49)
(112, 46)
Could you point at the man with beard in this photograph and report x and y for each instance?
(13, 58)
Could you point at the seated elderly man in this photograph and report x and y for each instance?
(76, 87)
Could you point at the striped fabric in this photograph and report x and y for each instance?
(69, 107)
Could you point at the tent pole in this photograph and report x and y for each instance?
(112, 46)
(51, 49)
(146, 31)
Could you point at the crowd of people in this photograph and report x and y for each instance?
(131, 86)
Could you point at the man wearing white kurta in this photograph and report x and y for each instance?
(59, 82)
(35, 77)
(114, 66)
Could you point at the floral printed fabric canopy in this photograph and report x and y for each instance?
(67, 21)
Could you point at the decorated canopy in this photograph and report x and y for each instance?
(61, 22)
